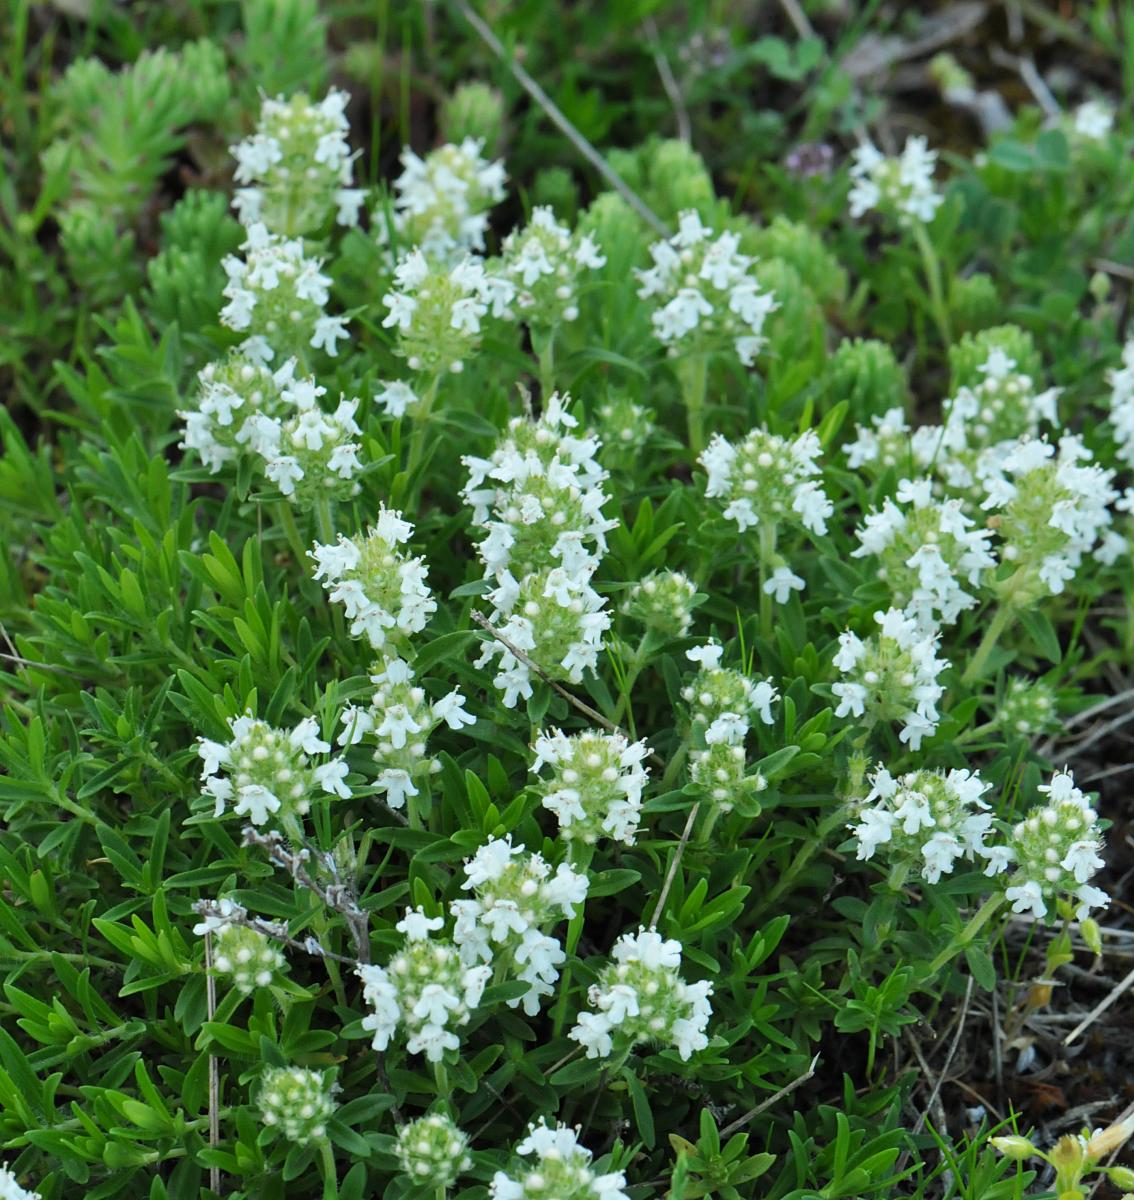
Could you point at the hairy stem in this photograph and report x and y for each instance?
(932, 264)
(1005, 616)
(330, 1174)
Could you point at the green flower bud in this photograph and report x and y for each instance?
(297, 1102)
(662, 601)
(433, 1152)
(1028, 707)
(246, 957)
(1015, 1147)
(1093, 937)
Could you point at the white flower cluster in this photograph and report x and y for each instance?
(381, 588)
(425, 989)
(1056, 850)
(247, 957)
(230, 393)
(926, 552)
(719, 697)
(269, 774)
(437, 310)
(309, 453)
(539, 497)
(297, 1102)
(543, 262)
(441, 201)
(663, 602)
(1121, 381)
(721, 703)
(983, 425)
(553, 617)
(296, 167)
(892, 676)
(887, 442)
(1029, 707)
(641, 997)
(399, 720)
(277, 297)
(902, 186)
(433, 1151)
(1053, 510)
(245, 408)
(10, 1188)
(561, 1170)
(767, 482)
(243, 953)
(928, 820)
(515, 899)
(704, 293)
(595, 785)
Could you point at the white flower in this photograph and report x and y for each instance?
(255, 802)
(781, 583)
(331, 777)
(1027, 897)
(901, 185)
(396, 397)
(1094, 120)
(398, 784)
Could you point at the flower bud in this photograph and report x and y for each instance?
(1110, 1138)
(1015, 1147)
(298, 1102)
(433, 1152)
(1091, 935)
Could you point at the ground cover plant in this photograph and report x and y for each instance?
(566, 614)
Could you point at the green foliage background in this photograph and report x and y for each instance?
(143, 603)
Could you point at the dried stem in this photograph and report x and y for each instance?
(669, 875)
(337, 896)
(214, 1066)
(591, 713)
(741, 1121)
(555, 113)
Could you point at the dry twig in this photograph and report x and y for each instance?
(669, 82)
(669, 875)
(741, 1121)
(560, 120)
(522, 656)
(933, 1098)
(1096, 1012)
